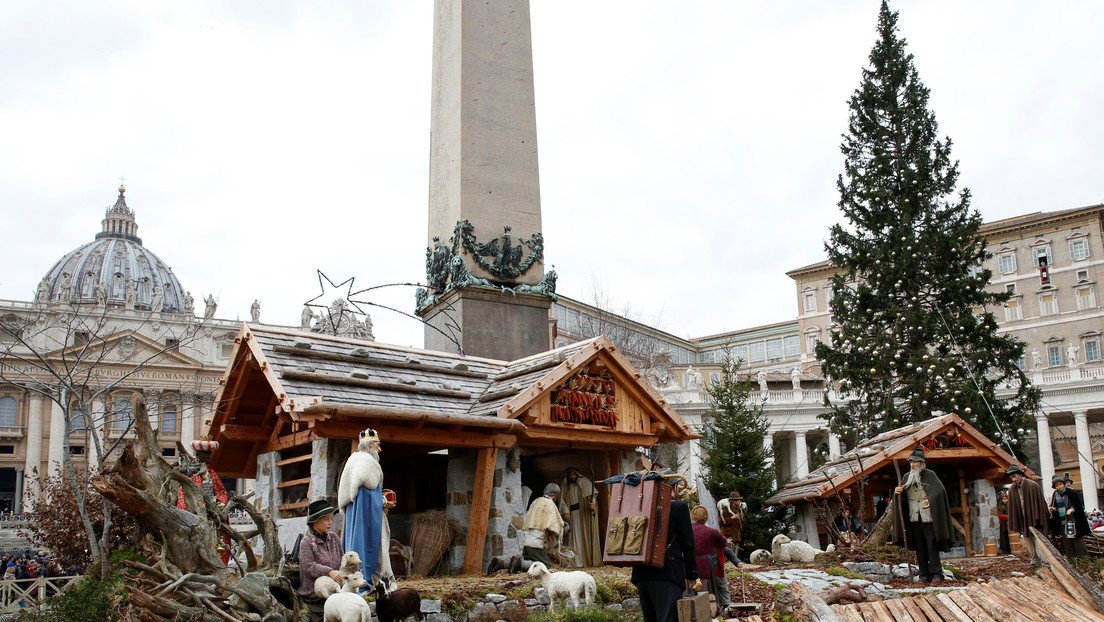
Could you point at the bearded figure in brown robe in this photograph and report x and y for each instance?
(1027, 508)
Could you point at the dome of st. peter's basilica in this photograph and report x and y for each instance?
(117, 260)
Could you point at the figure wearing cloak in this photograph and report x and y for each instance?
(579, 506)
(921, 508)
(360, 498)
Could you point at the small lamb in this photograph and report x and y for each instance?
(565, 585)
(325, 585)
(785, 550)
(760, 556)
(347, 605)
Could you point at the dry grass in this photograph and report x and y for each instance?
(461, 593)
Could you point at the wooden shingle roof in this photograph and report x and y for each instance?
(878, 452)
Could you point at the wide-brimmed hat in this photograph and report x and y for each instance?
(1057, 478)
(318, 510)
(1014, 469)
(735, 495)
(1068, 479)
(917, 455)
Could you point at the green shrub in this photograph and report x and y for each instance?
(840, 571)
(88, 599)
(590, 614)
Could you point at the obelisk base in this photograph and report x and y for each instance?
(495, 325)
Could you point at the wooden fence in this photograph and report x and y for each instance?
(30, 593)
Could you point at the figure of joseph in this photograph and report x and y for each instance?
(579, 506)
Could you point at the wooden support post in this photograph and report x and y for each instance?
(965, 513)
(480, 509)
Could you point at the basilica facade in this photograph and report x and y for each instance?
(110, 325)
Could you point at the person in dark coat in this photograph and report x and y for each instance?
(660, 588)
(921, 508)
(1067, 508)
(1026, 509)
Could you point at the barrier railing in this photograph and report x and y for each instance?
(30, 593)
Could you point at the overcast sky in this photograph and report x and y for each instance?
(688, 150)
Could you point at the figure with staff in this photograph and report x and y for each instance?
(923, 517)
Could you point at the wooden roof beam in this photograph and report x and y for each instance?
(324, 378)
(427, 417)
(369, 361)
(250, 433)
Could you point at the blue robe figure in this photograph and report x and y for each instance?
(360, 498)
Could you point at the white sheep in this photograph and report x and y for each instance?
(760, 556)
(784, 550)
(565, 585)
(347, 605)
(325, 585)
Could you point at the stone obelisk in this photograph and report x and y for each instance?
(484, 263)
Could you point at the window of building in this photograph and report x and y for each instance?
(1006, 263)
(1086, 298)
(1021, 362)
(740, 353)
(1082, 276)
(7, 449)
(757, 352)
(172, 344)
(80, 338)
(9, 412)
(225, 350)
(1079, 249)
(76, 450)
(811, 341)
(791, 346)
(1048, 304)
(8, 334)
(1013, 310)
(168, 452)
(1010, 288)
(124, 414)
(828, 295)
(1054, 355)
(77, 420)
(810, 300)
(168, 419)
(1042, 251)
(1091, 347)
(774, 349)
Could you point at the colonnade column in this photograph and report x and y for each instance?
(801, 448)
(1046, 448)
(768, 446)
(57, 435)
(189, 421)
(18, 506)
(35, 413)
(1084, 456)
(833, 446)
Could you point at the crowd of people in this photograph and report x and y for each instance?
(31, 565)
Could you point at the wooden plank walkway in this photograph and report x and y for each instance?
(1021, 599)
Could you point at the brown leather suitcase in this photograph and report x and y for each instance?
(636, 532)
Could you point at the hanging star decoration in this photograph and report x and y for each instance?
(349, 303)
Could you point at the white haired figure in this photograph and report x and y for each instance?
(360, 498)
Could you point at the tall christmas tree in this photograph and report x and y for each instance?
(914, 334)
(734, 457)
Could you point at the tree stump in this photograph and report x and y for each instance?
(184, 578)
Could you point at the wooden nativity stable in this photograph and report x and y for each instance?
(967, 462)
(474, 437)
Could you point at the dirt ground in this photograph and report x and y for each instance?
(462, 593)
